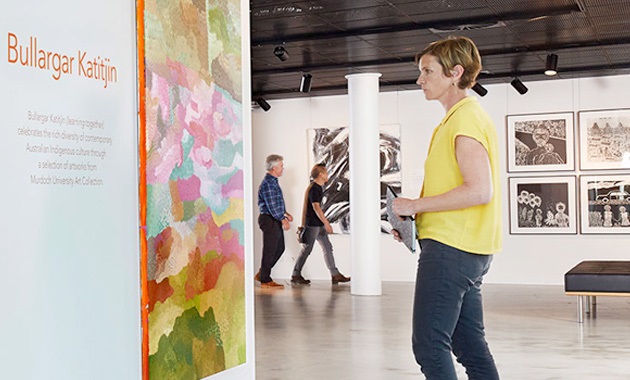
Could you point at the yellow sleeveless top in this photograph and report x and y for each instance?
(474, 229)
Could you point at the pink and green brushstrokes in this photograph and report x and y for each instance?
(194, 191)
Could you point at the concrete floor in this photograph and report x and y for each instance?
(322, 332)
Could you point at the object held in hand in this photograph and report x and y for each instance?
(405, 227)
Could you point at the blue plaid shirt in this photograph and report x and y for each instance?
(270, 199)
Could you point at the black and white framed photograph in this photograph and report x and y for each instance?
(604, 139)
(605, 204)
(542, 205)
(330, 146)
(540, 142)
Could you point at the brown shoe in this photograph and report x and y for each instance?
(257, 276)
(339, 278)
(271, 285)
(299, 280)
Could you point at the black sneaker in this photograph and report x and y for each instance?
(299, 280)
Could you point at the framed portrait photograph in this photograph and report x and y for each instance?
(605, 204)
(540, 142)
(604, 139)
(542, 205)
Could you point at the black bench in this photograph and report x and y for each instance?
(590, 279)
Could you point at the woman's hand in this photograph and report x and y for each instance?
(396, 236)
(404, 206)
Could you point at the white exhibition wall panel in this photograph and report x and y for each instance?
(248, 370)
(526, 259)
(68, 146)
(602, 93)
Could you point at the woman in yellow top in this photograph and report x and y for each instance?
(458, 217)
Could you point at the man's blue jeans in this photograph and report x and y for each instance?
(448, 313)
(320, 235)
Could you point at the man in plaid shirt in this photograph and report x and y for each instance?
(273, 220)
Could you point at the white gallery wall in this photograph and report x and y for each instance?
(526, 259)
(69, 229)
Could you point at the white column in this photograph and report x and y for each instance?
(365, 207)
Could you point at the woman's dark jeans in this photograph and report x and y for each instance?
(448, 313)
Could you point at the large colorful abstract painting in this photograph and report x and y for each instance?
(194, 185)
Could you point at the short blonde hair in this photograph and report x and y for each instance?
(452, 51)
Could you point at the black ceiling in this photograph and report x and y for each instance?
(332, 38)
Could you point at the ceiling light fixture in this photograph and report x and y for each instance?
(305, 83)
(519, 86)
(551, 68)
(281, 53)
(263, 104)
(479, 89)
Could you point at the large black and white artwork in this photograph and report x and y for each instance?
(605, 204)
(604, 139)
(542, 205)
(330, 147)
(541, 142)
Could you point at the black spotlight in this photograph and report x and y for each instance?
(305, 83)
(281, 53)
(519, 86)
(479, 89)
(263, 104)
(551, 68)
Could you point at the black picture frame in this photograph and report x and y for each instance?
(542, 205)
(540, 142)
(605, 204)
(604, 139)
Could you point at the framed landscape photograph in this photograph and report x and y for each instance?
(542, 205)
(604, 139)
(605, 204)
(540, 142)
